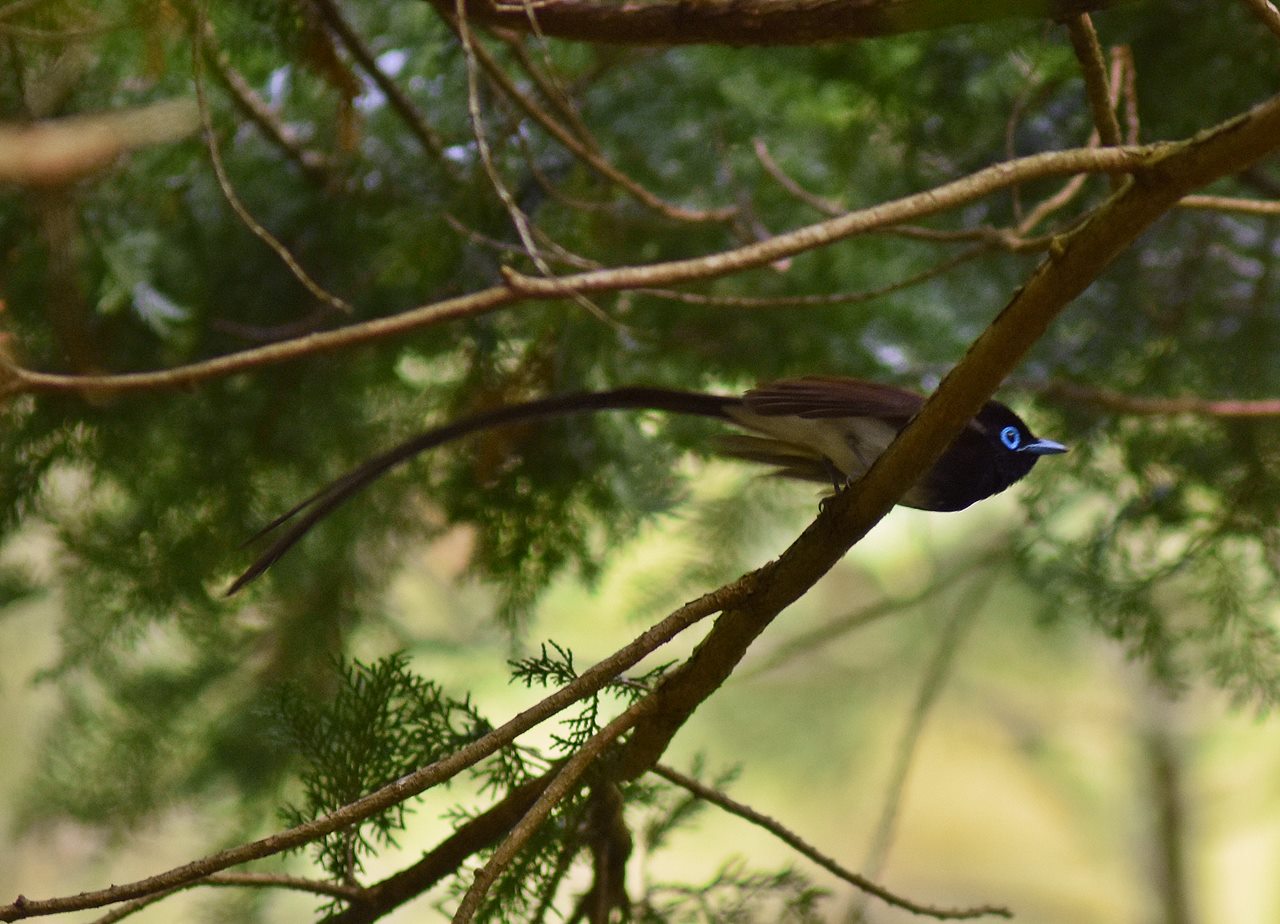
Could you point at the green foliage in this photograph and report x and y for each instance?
(555, 668)
(526, 890)
(383, 722)
(1158, 530)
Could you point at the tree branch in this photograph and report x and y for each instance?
(54, 152)
(400, 103)
(591, 680)
(521, 288)
(1084, 41)
(792, 840)
(1070, 268)
(585, 150)
(313, 164)
(1265, 10)
(752, 22)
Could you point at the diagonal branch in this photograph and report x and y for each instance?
(1069, 269)
(521, 288)
(321, 294)
(1084, 41)
(585, 150)
(792, 840)
(591, 680)
(312, 163)
(400, 102)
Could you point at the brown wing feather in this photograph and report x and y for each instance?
(790, 461)
(833, 396)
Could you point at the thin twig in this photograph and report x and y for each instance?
(823, 635)
(818, 301)
(518, 218)
(792, 840)
(551, 90)
(1109, 400)
(313, 164)
(297, 883)
(783, 179)
(1003, 238)
(400, 103)
(1103, 99)
(242, 212)
(563, 254)
(1046, 207)
(998, 237)
(1125, 77)
(675, 272)
(1231, 204)
(947, 647)
(1028, 91)
(597, 163)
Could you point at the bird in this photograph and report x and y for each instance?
(821, 428)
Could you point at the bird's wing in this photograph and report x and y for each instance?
(832, 396)
(791, 461)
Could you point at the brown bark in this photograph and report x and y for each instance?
(750, 22)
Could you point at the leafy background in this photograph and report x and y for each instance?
(1130, 582)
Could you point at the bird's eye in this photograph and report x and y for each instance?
(1010, 437)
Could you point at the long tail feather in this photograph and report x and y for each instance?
(307, 513)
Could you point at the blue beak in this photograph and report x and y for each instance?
(1043, 448)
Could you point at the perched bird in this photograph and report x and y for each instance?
(828, 429)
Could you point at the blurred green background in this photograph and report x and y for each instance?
(1057, 701)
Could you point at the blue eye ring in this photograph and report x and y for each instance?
(1011, 438)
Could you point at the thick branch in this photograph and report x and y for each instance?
(750, 22)
(480, 833)
(1070, 268)
(402, 789)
